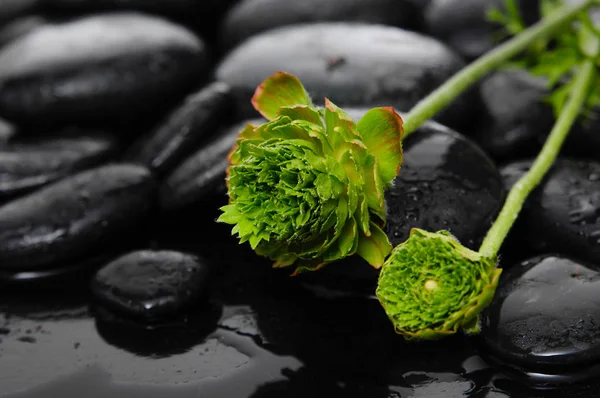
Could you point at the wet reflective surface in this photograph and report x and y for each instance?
(261, 334)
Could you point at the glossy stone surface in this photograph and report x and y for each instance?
(439, 187)
(10, 9)
(563, 213)
(351, 64)
(544, 316)
(96, 210)
(151, 283)
(249, 17)
(198, 117)
(161, 7)
(264, 337)
(516, 120)
(28, 164)
(20, 27)
(202, 175)
(84, 69)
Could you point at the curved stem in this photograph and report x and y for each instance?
(518, 194)
(446, 93)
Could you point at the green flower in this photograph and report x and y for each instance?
(431, 286)
(306, 187)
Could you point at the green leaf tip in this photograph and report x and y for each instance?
(306, 187)
(281, 89)
(431, 286)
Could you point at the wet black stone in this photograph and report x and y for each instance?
(352, 64)
(157, 338)
(516, 119)
(20, 27)
(125, 65)
(151, 283)
(10, 9)
(202, 175)
(446, 182)
(563, 213)
(98, 210)
(201, 10)
(26, 165)
(544, 316)
(7, 131)
(249, 17)
(464, 26)
(183, 130)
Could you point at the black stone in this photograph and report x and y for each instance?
(7, 131)
(186, 9)
(26, 165)
(352, 64)
(151, 283)
(10, 9)
(125, 65)
(20, 27)
(544, 316)
(249, 17)
(463, 24)
(445, 183)
(563, 213)
(202, 175)
(94, 211)
(183, 130)
(516, 120)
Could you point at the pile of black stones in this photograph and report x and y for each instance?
(115, 279)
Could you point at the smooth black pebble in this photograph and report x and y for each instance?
(10, 9)
(563, 213)
(515, 120)
(161, 7)
(124, 65)
(463, 24)
(352, 64)
(183, 130)
(26, 165)
(445, 183)
(151, 283)
(202, 175)
(544, 316)
(249, 17)
(20, 27)
(98, 210)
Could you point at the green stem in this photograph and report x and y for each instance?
(518, 194)
(445, 94)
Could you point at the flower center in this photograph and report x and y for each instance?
(430, 285)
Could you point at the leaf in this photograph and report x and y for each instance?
(281, 89)
(381, 131)
(587, 37)
(375, 248)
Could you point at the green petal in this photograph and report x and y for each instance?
(381, 131)
(281, 89)
(375, 248)
(302, 112)
(374, 190)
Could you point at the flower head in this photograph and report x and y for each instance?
(306, 187)
(431, 286)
